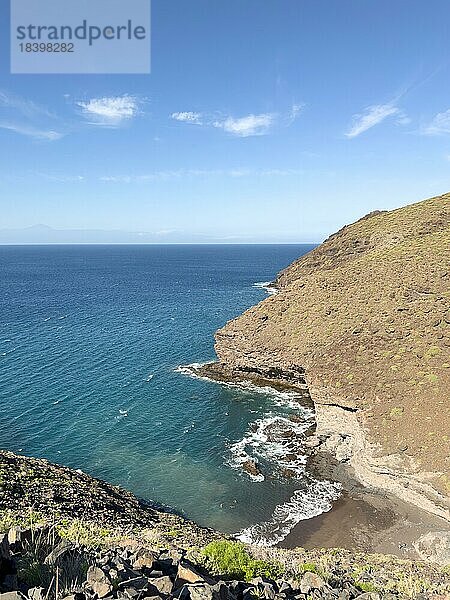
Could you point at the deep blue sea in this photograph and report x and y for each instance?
(91, 341)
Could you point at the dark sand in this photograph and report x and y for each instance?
(366, 521)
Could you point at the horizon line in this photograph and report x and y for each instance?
(159, 243)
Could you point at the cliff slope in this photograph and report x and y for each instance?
(67, 536)
(367, 316)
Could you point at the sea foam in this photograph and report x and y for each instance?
(304, 504)
(266, 285)
(274, 443)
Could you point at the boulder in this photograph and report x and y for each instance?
(266, 588)
(137, 583)
(434, 547)
(221, 591)
(36, 593)
(188, 573)
(5, 551)
(129, 593)
(15, 535)
(8, 568)
(284, 587)
(12, 596)
(99, 582)
(144, 560)
(312, 442)
(155, 574)
(311, 581)
(196, 592)
(164, 584)
(250, 467)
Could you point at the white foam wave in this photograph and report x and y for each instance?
(287, 397)
(304, 504)
(123, 413)
(276, 439)
(190, 370)
(7, 352)
(266, 285)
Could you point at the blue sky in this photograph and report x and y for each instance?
(262, 120)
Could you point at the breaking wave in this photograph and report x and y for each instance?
(315, 499)
(273, 448)
(268, 286)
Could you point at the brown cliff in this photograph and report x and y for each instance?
(366, 317)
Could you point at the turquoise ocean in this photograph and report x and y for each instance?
(94, 344)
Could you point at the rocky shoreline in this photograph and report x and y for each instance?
(67, 536)
(339, 434)
(34, 490)
(360, 325)
(359, 330)
(337, 448)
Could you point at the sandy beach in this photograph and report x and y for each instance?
(368, 521)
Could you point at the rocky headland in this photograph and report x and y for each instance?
(363, 324)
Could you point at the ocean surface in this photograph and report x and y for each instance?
(94, 341)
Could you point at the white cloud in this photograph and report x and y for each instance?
(110, 111)
(25, 117)
(296, 109)
(440, 125)
(187, 117)
(26, 107)
(373, 115)
(247, 126)
(48, 135)
(61, 178)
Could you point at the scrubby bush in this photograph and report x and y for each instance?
(85, 533)
(232, 560)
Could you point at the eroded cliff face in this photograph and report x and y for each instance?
(365, 319)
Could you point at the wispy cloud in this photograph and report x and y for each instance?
(25, 107)
(440, 124)
(373, 115)
(403, 119)
(191, 173)
(295, 111)
(187, 117)
(245, 126)
(111, 111)
(27, 118)
(61, 178)
(48, 135)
